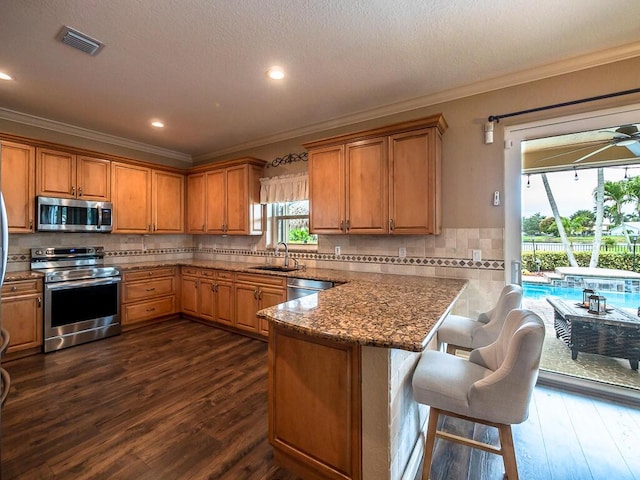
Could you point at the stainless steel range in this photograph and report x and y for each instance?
(81, 295)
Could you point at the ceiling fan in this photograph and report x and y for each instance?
(625, 136)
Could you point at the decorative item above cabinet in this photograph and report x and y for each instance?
(385, 180)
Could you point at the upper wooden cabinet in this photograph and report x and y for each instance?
(167, 202)
(225, 199)
(131, 198)
(18, 185)
(380, 181)
(67, 175)
(146, 200)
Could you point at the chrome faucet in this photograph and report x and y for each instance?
(286, 252)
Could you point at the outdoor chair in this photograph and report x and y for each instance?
(493, 387)
(464, 333)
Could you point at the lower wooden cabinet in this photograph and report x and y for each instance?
(207, 294)
(253, 293)
(22, 316)
(148, 294)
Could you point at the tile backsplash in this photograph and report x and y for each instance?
(445, 255)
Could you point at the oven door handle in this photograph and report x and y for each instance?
(90, 282)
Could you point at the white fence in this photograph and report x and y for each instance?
(577, 247)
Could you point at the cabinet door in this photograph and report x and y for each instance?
(414, 182)
(216, 197)
(237, 200)
(168, 202)
(55, 173)
(18, 186)
(93, 179)
(22, 317)
(246, 302)
(268, 298)
(367, 202)
(196, 203)
(206, 299)
(224, 302)
(131, 196)
(326, 190)
(189, 292)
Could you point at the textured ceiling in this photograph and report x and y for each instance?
(199, 64)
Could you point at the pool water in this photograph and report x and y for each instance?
(540, 291)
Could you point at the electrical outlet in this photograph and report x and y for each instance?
(402, 252)
(477, 255)
(337, 250)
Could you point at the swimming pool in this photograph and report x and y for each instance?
(540, 291)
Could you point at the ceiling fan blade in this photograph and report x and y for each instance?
(572, 151)
(635, 148)
(595, 152)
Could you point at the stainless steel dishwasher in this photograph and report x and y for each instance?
(300, 287)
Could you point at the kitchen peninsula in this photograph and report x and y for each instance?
(340, 366)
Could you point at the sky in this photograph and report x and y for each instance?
(570, 194)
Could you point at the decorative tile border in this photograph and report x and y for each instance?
(347, 258)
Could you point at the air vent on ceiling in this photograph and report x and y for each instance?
(79, 40)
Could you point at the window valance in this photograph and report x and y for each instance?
(284, 188)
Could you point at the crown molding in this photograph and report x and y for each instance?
(570, 65)
(39, 122)
(574, 64)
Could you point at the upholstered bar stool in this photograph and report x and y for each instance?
(464, 333)
(493, 387)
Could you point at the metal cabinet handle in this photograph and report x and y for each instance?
(73, 190)
(151, 309)
(31, 224)
(348, 225)
(151, 289)
(39, 302)
(391, 226)
(255, 294)
(14, 289)
(79, 191)
(260, 295)
(341, 225)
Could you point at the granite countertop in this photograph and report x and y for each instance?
(371, 309)
(22, 275)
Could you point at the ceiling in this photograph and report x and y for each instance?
(199, 65)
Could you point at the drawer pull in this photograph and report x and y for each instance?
(14, 289)
(151, 289)
(151, 309)
(39, 302)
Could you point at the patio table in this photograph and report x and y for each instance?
(614, 334)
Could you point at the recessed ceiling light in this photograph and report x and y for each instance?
(4, 76)
(157, 124)
(275, 73)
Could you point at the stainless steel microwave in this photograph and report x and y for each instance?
(68, 215)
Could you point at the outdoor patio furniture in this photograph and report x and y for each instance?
(614, 334)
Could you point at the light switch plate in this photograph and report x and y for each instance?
(402, 252)
(337, 250)
(477, 255)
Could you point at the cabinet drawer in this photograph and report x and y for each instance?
(150, 273)
(189, 271)
(152, 288)
(138, 312)
(261, 279)
(224, 275)
(21, 287)
(206, 273)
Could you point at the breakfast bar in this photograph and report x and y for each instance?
(340, 367)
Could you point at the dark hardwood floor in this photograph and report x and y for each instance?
(181, 400)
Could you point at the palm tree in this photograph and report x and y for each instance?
(597, 239)
(633, 191)
(556, 215)
(615, 194)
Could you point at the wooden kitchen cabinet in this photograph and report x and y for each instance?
(208, 295)
(18, 185)
(67, 175)
(167, 202)
(22, 316)
(148, 294)
(131, 195)
(225, 199)
(380, 181)
(253, 293)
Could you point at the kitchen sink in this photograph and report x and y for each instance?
(276, 268)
